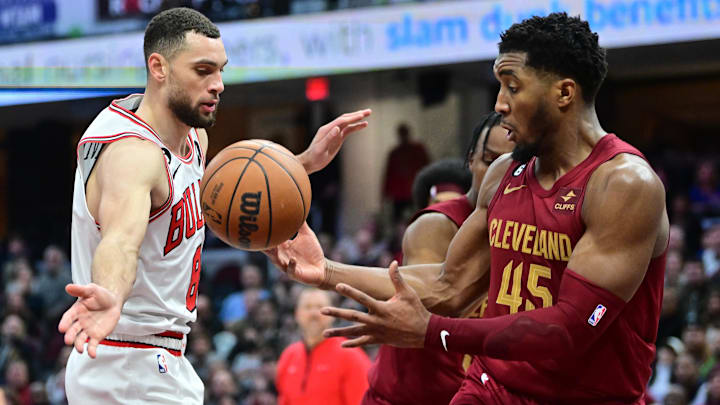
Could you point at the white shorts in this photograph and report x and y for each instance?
(128, 375)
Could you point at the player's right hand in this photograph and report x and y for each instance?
(301, 258)
(91, 318)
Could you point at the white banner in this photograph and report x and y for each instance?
(359, 40)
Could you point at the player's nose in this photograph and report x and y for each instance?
(217, 86)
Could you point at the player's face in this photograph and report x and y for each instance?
(486, 152)
(195, 80)
(524, 102)
(307, 312)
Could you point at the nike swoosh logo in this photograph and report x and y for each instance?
(443, 335)
(509, 189)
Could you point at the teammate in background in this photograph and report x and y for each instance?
(318, 370)
(569, 233)
(137, 229)
(433, 376)
(441, 180)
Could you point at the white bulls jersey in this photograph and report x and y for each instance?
(168, 269)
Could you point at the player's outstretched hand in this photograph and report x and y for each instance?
(301, 258)
(93, 316)
(329, 138)
(401, 321)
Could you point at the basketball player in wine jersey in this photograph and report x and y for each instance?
(433, 376)
(568, 237)
(137, 228)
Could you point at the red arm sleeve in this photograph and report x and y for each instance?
(355, 382)
(583, 312)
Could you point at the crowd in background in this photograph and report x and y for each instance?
(245, 307)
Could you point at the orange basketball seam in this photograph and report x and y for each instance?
(232, 196)
(269, 199)
(302, 197)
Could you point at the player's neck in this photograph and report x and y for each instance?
(567, 146)
(171, 130)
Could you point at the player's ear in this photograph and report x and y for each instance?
(567, 91)
(157, 67)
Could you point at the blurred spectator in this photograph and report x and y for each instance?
(713, 388)
(711, 250)
(15, 345)
(236, 306)
(686, 375)
(55, 384)
(705, 193)
(662, 373)
(318, 370)
(222, 387)
(673, 268)
(403, 163)
(672, 319)
(695, 291)
(676, 396)
(50, 285)
(694, 339)
(54, 260)
(17, 380)
(200, 353)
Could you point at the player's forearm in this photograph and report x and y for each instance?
(115, 267)
(374, 281)
(583, 312)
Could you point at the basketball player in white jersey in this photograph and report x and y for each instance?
(137, 228)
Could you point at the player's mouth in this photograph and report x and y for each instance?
(209, 106)
(510, 134)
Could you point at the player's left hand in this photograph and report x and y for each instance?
(401, 321)
(329, 138)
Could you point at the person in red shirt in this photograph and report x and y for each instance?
(318, 370)
(568, 237)
(403, 164)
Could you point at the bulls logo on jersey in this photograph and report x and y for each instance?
(185, 218)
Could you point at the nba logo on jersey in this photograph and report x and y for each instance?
(597, 315)
(162, 364)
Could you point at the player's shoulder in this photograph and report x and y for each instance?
(429, 223)
(626, 173)
(132, 158)
(624, 184)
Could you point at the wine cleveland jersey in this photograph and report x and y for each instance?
(533, 232)
(168, 269)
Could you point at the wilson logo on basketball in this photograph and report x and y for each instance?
(567, 200)
(247, 225)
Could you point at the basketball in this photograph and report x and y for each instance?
(255, 195)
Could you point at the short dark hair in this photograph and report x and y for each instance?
(561, 45)
(489, 121)
(165, 33)
(451, 170)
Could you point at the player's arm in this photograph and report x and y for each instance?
(329, 138)
(626, 225)
(124, 177)
(448, 288)
(427, 238)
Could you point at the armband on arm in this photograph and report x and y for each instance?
(583, 312)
